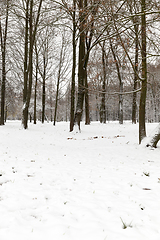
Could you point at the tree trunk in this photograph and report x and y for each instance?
(120, 85)
(58, 83)
(43, 100)
(3, 51)
(35, 103)
(87, 120)
(142, 129)
(81, 70)
(89, 35)
(135, 19)
(44, 89)
(121, 103)
(56, 104)
(6, 111)
(86, 29)
(134, 102)
(154, 138)
(3, 88)
(35, 92)
(30, 64)
(27, 66)
(103, 106)
(30, 35)
(25, 112)
(73, 70)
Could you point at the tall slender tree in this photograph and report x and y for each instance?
(35, 88)
(30, 34)
(81, 69)
(58, 84)
(87, 14)
(3, 39)
(72, 108)
(134, 102)
(119, 73)
(103, 100)
(142, 127)
(133, 7)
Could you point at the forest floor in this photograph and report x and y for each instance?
(95, 185)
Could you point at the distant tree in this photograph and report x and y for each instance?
(3, 41)
(153, 93)
(35, 87)
(119, 73)
(133, 7)
(103, 102)
(58, 80)
(62, 70)
(42, 62)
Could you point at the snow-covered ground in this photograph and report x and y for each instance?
(95, 185)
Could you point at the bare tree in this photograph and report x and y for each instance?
(63, 68)
(87, 14)
(58, 80)
(3, 39)
(142, 128)
(103, 106)
(133, 9)
(30, 34)
(72, 108)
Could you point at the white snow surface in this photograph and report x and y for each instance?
(95, 185)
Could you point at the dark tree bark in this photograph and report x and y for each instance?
(35, 88)
(88, 39)
(87, 119)
(25, 110)
(30, 35)
(3, 38)
(44, 88)
(86, 29)
(73, 69)
(142, 128)
(121, 103)
(30, 64)
(81, 70)
(35, 99)
(86, 93)
(6, 112)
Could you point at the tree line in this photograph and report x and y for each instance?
(80, 53)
